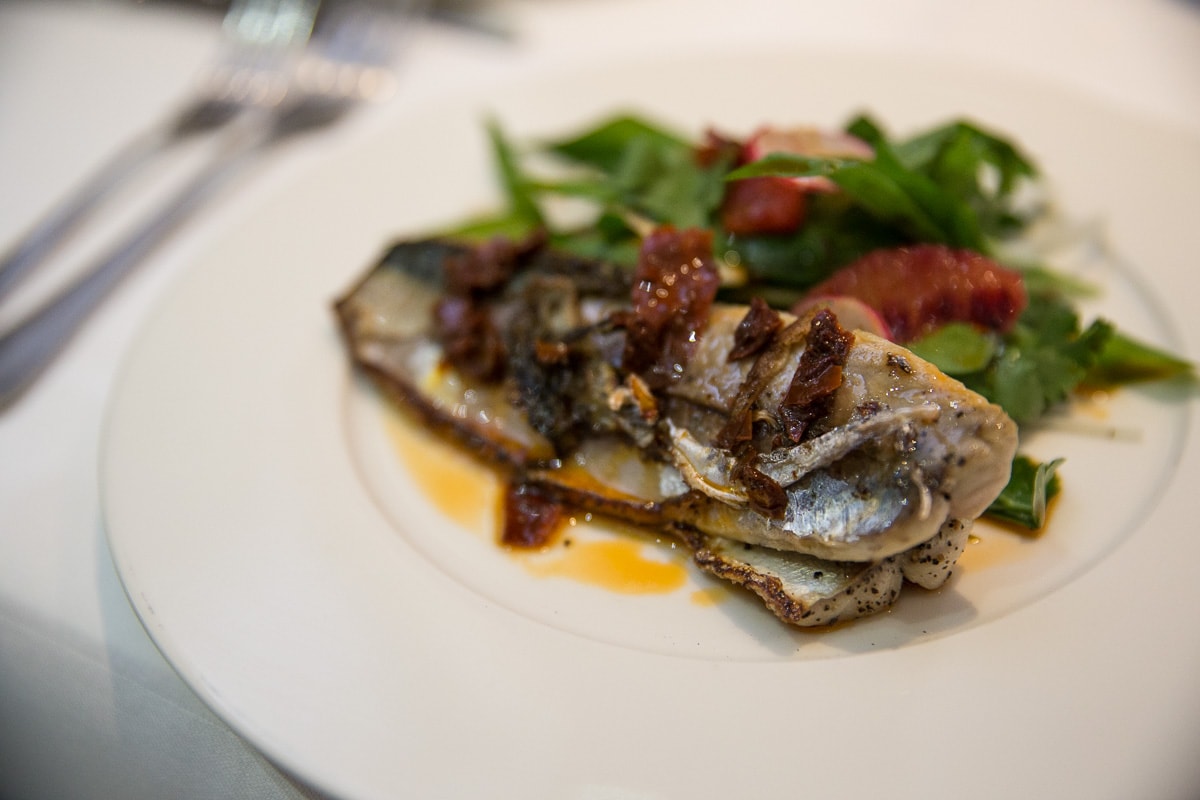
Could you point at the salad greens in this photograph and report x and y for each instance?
(929, 189)
(956, 185)
(1031, 487)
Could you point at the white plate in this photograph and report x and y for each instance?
(273, 540)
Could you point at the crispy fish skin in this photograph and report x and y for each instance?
(810, 592)
(883, 491)
(801, 590)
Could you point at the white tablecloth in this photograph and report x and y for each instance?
(88, 706)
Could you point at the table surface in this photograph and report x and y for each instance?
(88, 706)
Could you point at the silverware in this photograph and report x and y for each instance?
(259, 40)
(347, 61)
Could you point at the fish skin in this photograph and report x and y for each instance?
(930, 563)
(799, 589)
(903, 501)
(811, 592)
(385, 323)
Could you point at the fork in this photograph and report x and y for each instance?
(259, 39)
(347, 61)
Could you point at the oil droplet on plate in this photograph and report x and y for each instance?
(713, 595)
(991, 547)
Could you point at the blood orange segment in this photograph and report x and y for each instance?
(919, 288)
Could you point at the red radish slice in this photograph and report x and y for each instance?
(852, 313)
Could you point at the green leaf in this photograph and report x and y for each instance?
(604, 147)
(890, 196)
(1031, 486)
(786, 165)
(1124, 360)
(609, 238)
(1042, 360)
(953, 216)
(666, 184)
(641, 167)
(979, 168)
(956, 348)
(867, 129)
(924, 152)
(479, 229)
(518, 189)
(909, 201)
(596, 189)
(1041, 281)
(1015, 385)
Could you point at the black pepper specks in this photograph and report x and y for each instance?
(897, 361)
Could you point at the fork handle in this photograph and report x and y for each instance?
(53, 229)
(33, 343)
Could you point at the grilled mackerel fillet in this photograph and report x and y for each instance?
(824, 507)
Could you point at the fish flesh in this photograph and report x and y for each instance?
(821, 469)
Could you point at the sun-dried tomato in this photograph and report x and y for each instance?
(673, 290)
(818, 375)
(462, 320)
(756, 329)
(763, 205)
(766, 495)
(531, 517)
(739, 426)
(487, 266)
(718, 148)
(469, 338)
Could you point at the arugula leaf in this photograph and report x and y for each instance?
(1125, 360)
(518, 190)
(937, 197)
(604, 146)
(1030, 487)
(902, 199)
(665, 183)
(788, 165)
(979, 167)
(639, 166)
(597, 189)
(609, 238)
(479, 229)
(923, 151)
(953, 185)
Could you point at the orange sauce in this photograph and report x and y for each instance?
(1096, 404)
(991, 547)
(463, 489)
(623, 565)
(605, 554)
